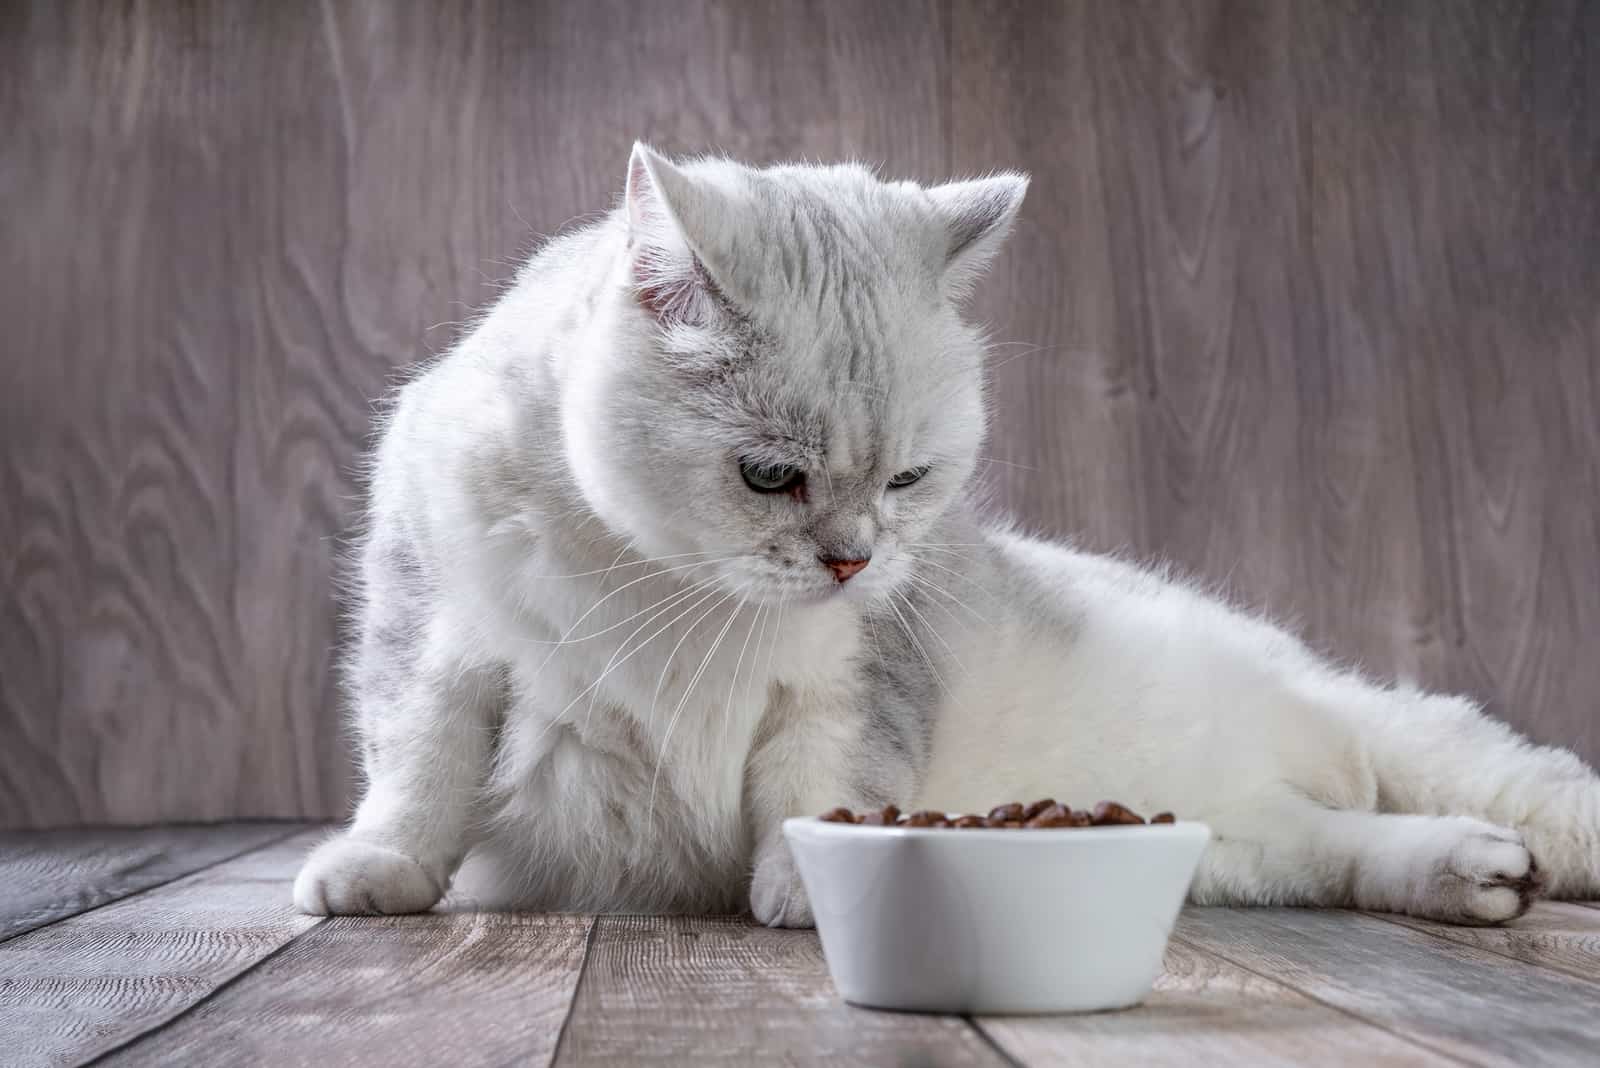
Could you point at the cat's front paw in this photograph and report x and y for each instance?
(777, 897)
(348, 876)
(1488, 876)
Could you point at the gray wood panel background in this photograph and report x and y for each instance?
(1308, 297)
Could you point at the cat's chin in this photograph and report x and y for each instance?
(842, 593)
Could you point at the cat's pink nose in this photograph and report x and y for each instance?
(842, 569)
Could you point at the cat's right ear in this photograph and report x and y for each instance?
(976, 216)
(674, 231)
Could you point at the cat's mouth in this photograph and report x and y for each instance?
(820, 588)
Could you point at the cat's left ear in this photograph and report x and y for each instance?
(977, 216)
(678, 239)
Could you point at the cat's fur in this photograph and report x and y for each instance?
(596, 659)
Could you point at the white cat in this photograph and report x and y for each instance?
(677, 543)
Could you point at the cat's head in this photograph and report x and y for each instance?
(778, 378)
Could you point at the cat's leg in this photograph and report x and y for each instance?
(1285, 849)
(1441, 755)
(816, 751)
(426, 757)
(425, 712)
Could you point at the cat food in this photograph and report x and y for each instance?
(1044, 814)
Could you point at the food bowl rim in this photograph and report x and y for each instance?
(1182, 829)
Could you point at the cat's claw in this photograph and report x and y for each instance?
(346, 876)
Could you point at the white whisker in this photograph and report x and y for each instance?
(672, 721)
(727, 706)
(917, 642)
(933, 630)
(960, 556)
(676, 594)
(957, 574)
(655, 698)
(749, 682)
(773, 648)
(928, 584)
(615, 565)
(593, 689)
(1008, 463)
(642, 578)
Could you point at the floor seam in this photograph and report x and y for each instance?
(994, 1044)
(132, 1040)
(577, 988)
(1340, 1009)
(267, 843)
(1502, 954)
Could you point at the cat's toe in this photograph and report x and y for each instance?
(346, 876)
(777, 896)
(1488, 877)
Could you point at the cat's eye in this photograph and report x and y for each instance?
(906, 478)
(771, 478)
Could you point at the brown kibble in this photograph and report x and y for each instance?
(1109, 813)
(886, 818)
(1043, 814)
(1053, 815)
(1033, 810)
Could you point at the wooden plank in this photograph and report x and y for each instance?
(725, 991)
(1279, 339)
(1554, 934)
(182, 452)
(439, 988)
(1465, 1002)
(85, 985)
(49, 875)
(1205, 1010)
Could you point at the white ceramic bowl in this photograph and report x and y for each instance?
(995, 921)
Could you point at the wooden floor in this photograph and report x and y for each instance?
(177, 945)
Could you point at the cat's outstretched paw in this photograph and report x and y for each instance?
(1488, 876)
(347, 876)
(777, 897)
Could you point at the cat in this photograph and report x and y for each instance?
(679, 542)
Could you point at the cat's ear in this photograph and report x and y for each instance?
(976, 216)
(676, 232)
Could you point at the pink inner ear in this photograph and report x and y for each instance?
(666, 289)
(668, 278)
(643, 211)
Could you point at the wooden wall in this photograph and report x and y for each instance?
(1309, 292)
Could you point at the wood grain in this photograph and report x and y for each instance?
(440, 988)
(1554, 934)
(725, 991)
(1303, 300)
(49, 875)
(83, 986)
(1311, 289)
(1481, 1007)
(1205, 1010)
